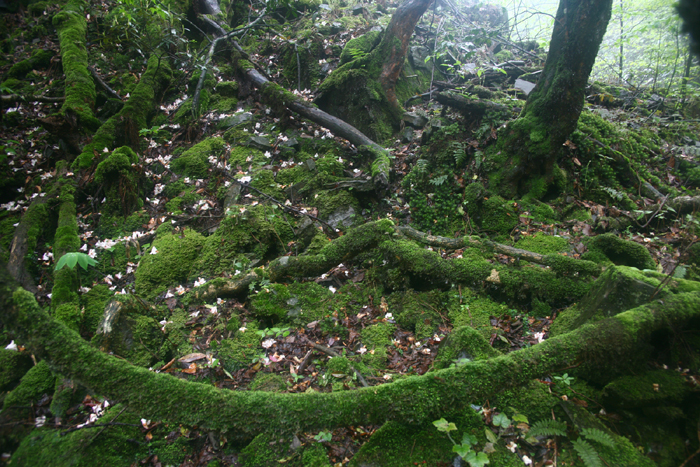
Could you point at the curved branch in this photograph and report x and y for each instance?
(602, 349)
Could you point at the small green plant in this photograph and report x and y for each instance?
(273, 332)
(566, 379)
(323, 436)
(585, 450)
(71, 259)
(465, 449)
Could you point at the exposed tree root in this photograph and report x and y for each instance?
(563, 283)
(600, 352)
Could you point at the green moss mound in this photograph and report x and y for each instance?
(195, 161)
(610, 248)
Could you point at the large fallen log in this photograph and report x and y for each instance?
(600, 351)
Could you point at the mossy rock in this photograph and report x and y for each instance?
(127, 332)
(609, 247)
(378, 336)
(13, 365)
(120, 180)
(265, 450)
(239, 352)
(195, 161)
(498, 216)
(299, 303)
(476, 311)
(93, 304)
(653, 388)
(170, 265)
(463, 344)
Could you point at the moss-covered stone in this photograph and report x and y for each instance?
(543, 244)
(195, 161)
(653, 388)
(463, 344)
(269, 382)
(120, 178)
(609, 247)
(169, 264)
(498, 216)
(239, 352)
(299, 303)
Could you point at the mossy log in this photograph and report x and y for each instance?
(601, 351)
(471, 108)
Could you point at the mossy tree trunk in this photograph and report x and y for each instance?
(524, 157)
(362, 92)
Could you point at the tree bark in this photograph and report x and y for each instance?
(531, 144)
(394, 45)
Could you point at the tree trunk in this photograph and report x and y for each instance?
(394, 45)
(529, 146)
(362, 92)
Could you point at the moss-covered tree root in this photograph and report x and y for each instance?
(559, 263)
(123, 128)
(80, 94)
(599, 351)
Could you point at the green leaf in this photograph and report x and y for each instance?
(587, 453)
(462, 450)
(490, 436)
(501, 420)
(518, 417)
(475, 459)
(444, 426)
(548, 428)
(468, 439)
(598, 436)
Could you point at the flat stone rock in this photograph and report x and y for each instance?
(415, 120)
(259, 142)
(235, 120)
(418, 54)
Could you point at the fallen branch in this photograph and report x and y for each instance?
(13, 98)
(104, 85)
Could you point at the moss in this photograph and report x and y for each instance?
(227, 88)
(299, 303)
(71, 27)
(534, 400)
(240, 351)
(476, 311)
(315, 456)
(463, 343)
(69, 314)
(13, 365)
(498, 216)
(82, 448)
(242, 156)
(93, 304)
(618, 251)
(195, 161)
(543, 243)
(264, 180)
(65, 285)
(265, 450)
(269, 382)
(170, 265)
(120, 178)
(418, 312)
(378, 335)
(329, 202)
(242, 237)
(34, 384)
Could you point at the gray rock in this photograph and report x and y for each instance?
(407, 135)
(342, 217)
(235, 120)
(290, 143)
(418, 55)
(310, 165)
(259, 142)
(414, 120)
(232, 195)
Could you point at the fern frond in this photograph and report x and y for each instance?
(598, 436)
(548, 428)
(587, 453)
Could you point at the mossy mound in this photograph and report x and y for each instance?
(419, 312)
(463, 344)
(242, 349)
(269, 382)
(610, 248)
(543, 244)
(168, 263)
(248, 234)
(39, 380)
(121, 182)
(195, 161)
(298, 303)
(13, 365)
